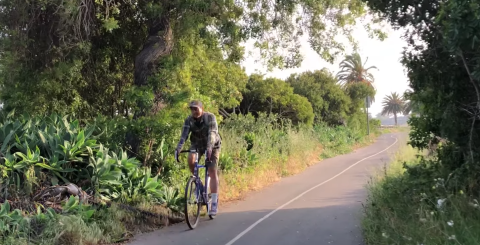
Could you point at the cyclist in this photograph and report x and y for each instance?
(204, 136)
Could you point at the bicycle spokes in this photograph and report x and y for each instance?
(192, 203)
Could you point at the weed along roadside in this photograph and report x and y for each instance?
(408, 204)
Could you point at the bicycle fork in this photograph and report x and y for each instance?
(203, 192)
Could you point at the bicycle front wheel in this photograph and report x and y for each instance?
(193, 204)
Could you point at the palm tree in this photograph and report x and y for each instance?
(352, 71)
(393, 104)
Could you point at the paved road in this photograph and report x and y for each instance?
(321, 205)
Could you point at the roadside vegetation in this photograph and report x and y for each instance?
(407, 207)
(61, 185)
(433, 198)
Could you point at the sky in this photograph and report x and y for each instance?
(385, 55)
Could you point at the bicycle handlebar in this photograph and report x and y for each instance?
(191, 151)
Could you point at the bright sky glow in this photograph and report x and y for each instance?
(385, 55)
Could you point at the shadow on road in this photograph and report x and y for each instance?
(336, 222)
(327, 207)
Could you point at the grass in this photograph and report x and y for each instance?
(107, 226)
(394, 129)
(396, 212)
(299, 150)
(275, 152)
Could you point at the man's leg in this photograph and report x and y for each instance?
(213, 173)
(191, 162)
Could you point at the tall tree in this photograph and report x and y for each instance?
(352, 71)
(393, 104)
(357, 80)
(354, 75)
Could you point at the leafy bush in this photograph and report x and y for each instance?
(53, 150)
(41, 152)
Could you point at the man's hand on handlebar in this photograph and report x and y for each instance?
(208, 154)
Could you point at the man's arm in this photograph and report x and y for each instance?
(212, 131)
(185, 132)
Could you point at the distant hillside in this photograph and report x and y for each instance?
(401, 120)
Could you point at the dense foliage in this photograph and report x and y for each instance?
(144, 59)
(46, 151)
(275, 96)
(96, 50)
(442, 61)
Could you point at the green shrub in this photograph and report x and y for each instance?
(44, 151)
(375, 124)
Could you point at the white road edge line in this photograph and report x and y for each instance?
(305, 192)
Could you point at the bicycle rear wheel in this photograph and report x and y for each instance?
(193, 204)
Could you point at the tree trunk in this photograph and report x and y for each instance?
(158, 45)
(368, 121)
(395, 115)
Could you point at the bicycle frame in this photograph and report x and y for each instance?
(203, 189)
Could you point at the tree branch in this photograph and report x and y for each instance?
(472, 81)
(475, 85)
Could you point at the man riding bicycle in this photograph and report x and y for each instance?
(204, 137)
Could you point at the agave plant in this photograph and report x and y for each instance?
(172, 198)
(10, 221)
(63, 151)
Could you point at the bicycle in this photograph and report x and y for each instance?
(202, 198)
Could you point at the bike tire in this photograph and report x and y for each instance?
(189, 195)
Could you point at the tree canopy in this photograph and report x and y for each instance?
(353, 71)
(330, 103)
(139, 62)
(274, 95)
(84, 56)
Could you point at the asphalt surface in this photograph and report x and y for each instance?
(321, 205)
